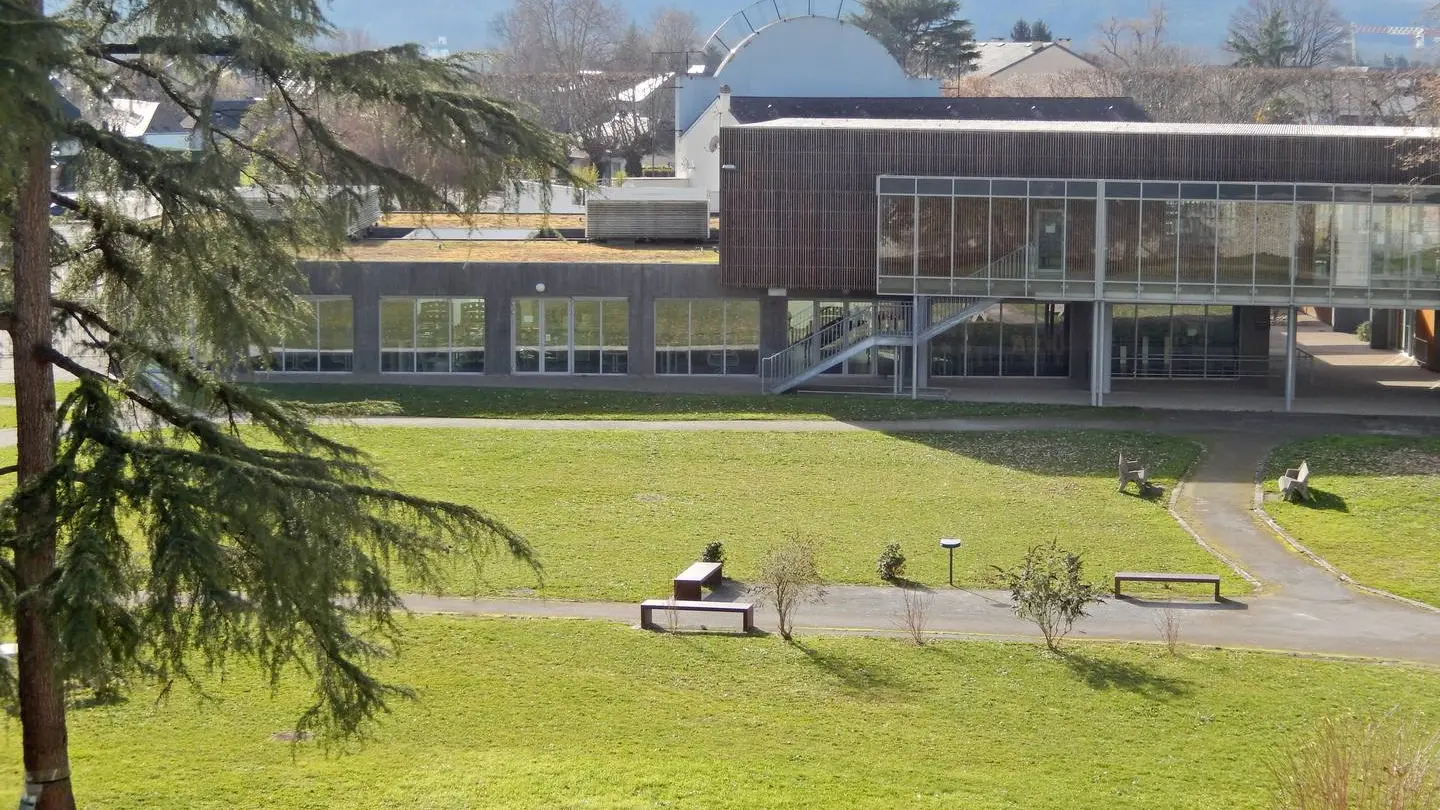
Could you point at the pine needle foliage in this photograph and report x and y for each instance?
(168, 528)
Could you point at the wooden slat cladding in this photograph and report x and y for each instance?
(799, 206)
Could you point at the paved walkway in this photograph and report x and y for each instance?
(1299, 608)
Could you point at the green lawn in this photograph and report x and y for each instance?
(536, 403)
(1376, 514)
(555, 714)
(7, 393)
(616, 514)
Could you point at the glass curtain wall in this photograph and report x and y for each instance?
(1013, 339)
(1168, 342)
(322, 339)
(432, 335)
(1195, 239)
(707, 336)
(571, 335)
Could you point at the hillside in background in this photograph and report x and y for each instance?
(1197, 23)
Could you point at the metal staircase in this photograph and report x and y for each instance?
(888, 323)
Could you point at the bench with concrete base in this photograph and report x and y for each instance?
(1295, 483)
(1133, 471)
(745, 609)
(1145, 576)
(687, 584)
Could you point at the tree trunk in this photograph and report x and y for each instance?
(42, 702)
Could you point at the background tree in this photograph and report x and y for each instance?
(1049, 589)
(1040, 32)
(1020, 31)
(1268, 46)
(927, 37)
(148, 531)
(559, 36)
(1317, 31)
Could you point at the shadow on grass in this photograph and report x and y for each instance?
(1102, 673)
(1322, 501)
(869, 678)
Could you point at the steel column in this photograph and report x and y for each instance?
(1290, 357)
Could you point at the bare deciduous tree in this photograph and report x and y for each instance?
(915, 613)
(789, 576)
(1318, 35)
(559, 36)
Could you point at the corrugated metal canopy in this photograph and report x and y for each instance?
(759, 109)
(1102, 127)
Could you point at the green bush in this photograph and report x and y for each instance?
(1363, 331)
(891, 565)
(713, 553)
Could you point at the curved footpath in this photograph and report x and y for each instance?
(1300, 607)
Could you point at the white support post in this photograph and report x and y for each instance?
(1106, 343)
(1097, 331)
(915, 327)
(1290, 358)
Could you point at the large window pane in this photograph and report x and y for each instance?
(1236, 239)
(1352, 245)
(1080, 239)
(1187, 346)
(672, 337)
(336, 334)
(1424, 247)
(982, 343)
(1159, 232)
(1221, 347)
(1122, 348)
(742, 337)
(1053, 357)
(1008, 231)
(556, 334)
(432, 335)
(897, 236)
(587, 337)
(1122, 235)
(707, 337)
(972, 236)
(397, 334)
(1197, 243)
(1388, 230)
(1273, 242)
(1018, 339)
(800, 320)
(467, 335)
(526, 322)
(935, 241)
(1314, 229)
(615, 354)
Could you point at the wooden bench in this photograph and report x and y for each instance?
(1296, 483)
(1133, 471)
(1140, 576)
(687, 584)
(745, 609)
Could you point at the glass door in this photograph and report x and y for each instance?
(1049, 236)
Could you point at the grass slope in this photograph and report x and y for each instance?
(616, 514)
(1376, 513)
(550, 714)
(533, 403)
(7, 393)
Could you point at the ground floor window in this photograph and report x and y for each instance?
(707, 336)
(1012, 339)
(321, 339)
(432, 335)
(840, 320)
(571, 335)
(1175, 341)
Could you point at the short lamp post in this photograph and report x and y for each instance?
(951, 543)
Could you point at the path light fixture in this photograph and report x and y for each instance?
(951, 543)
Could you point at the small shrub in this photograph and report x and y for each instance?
(1049, 589)
(1385, 763)
(915, 613)
(788, 576)
(713, 553)
(619, 177)
(1363, 331)
(891, 565)
(1168, 623)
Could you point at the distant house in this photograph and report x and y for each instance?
(1000, 61)
(164, 124)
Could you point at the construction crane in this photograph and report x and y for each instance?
(1418, 34)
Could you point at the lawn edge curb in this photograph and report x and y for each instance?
(1293, 542)
(1170, 506)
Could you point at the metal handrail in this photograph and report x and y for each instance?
(885, 319)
